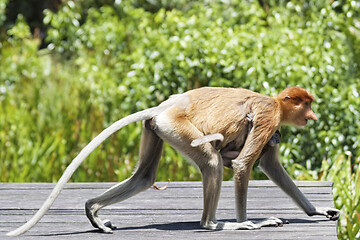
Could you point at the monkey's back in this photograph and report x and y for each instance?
(223, 110)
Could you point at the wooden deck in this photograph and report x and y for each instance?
(171, 213)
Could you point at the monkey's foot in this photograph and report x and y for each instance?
(108, 224)
(105, 226)
(247, 225)
(271, 222)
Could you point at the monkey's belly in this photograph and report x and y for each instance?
(230, 151)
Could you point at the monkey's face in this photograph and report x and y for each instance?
(303, 113)
(296, 106)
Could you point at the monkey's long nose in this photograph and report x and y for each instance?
(312, 116)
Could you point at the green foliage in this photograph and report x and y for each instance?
(229, 43)
(106, 59)
(346, 178)
(2, 11)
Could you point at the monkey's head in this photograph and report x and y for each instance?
(295, 104)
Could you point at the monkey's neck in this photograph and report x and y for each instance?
(283, 112)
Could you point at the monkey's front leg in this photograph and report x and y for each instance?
(272, 167)
(241, 182)
(241, 178)
(212, 176)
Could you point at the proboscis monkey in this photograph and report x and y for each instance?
(230, 126)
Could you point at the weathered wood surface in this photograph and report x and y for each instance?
(171, 213)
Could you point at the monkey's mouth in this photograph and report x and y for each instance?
(304, 122)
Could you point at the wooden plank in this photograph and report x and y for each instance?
(174, 212)
(192, 193)
(106, 185)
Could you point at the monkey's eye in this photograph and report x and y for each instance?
(307, 104)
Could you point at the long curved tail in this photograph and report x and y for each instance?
(142, 115)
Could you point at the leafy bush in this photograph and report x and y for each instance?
(106, 59)
(346, 178)
(233, 43)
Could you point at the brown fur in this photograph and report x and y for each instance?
(296, 94)
(207, 109)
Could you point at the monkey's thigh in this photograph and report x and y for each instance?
(174, 128)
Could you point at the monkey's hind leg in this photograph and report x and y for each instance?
(178, 131)
(142, 179)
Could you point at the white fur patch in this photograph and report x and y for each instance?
(177, 100)
(208, 138)
(163, 124)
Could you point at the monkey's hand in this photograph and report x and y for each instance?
(331, 213)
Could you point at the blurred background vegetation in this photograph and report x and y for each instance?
(68, 69)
